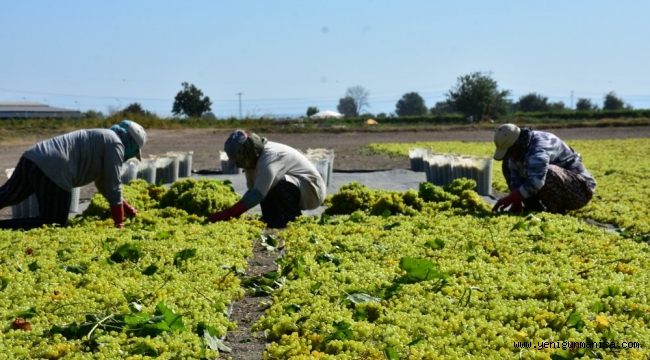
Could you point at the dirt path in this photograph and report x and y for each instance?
(245, 343)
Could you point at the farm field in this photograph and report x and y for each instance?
(428, 273)
(620, 167)
(161, 287)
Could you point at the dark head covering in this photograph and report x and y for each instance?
(244, 148)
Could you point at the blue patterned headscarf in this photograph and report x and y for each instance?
(131, 148)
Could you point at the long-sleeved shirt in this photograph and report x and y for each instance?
(528, 174)
(80, 157)
(281, 162)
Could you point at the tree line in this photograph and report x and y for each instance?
(476, 96)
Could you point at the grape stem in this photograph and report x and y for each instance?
(96, 325)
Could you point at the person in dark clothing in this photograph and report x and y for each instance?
(52, 168)
(543, 173)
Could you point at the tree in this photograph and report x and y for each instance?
(556, 106)
(442, 108)
(613, 102)
(532, 102)
(311, 110)
(411, 104)
(208, 115)
(348, 107)
(93, 114)
(135, 109)
(191, 102)
(360, 96)
(584, 104)
(476, 95)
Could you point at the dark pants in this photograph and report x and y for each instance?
(28, 179)
(563, 191)
(281, 205)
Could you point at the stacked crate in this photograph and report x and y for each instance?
(323, 160)
(226, 166)
(441, 169)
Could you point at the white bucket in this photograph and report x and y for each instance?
(129, 171)
(323, 160)
(166, 169)
(416, 158)
(74, 200)
(147, 171)
(322, 166)
(226, 167)
(185, 166)
(441, 169)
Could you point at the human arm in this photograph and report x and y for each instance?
(109, 184)
(537, 163)
(232, 212)
(259, 180)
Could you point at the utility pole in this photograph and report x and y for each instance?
(239, 94)
(571, 100)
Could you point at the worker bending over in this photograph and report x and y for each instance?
(53, 167)
(543, 173)
(278, 177)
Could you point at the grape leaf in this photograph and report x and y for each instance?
(342, 332)
(360, 298)
(418, 270)
(436, 244)
(183, 255)
(391, 353)
(126, 252)
(575, 321)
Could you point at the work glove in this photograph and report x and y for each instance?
(129, 210)
(232, 212)
(514, 200)
(117, 211)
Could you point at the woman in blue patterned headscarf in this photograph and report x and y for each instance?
(52, 168)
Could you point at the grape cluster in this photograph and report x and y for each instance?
(54, 279)
(200, 197)
(541, 278)
(197, 197)
(357, 197)
(622, 195)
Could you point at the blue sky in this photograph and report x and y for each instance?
(284, 56)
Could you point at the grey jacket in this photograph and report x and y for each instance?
(80, 157)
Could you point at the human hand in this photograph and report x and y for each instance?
(514, 200)
(129, 210)
(219, 216)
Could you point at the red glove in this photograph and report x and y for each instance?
(232, 212)
(129, 210)
(514, 200)
(117, 211)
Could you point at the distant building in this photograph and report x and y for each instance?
(29, 110)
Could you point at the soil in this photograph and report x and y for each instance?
(245, 343)
(348, 149)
